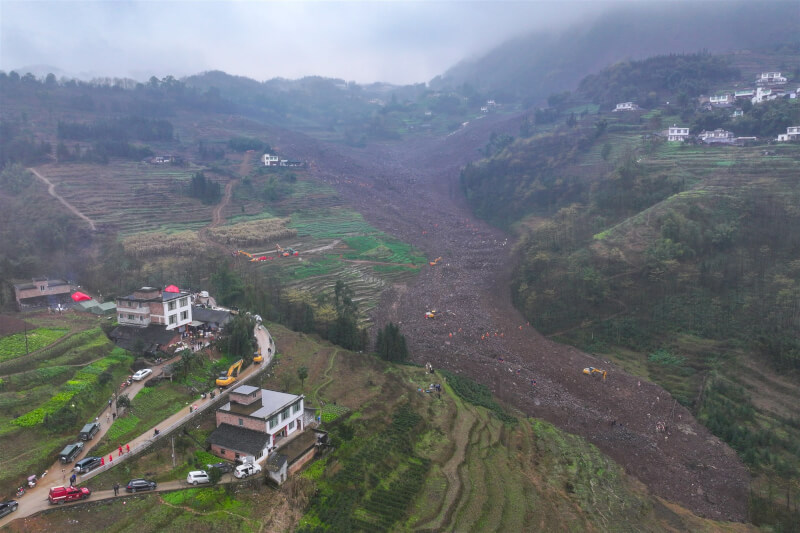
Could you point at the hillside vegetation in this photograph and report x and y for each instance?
(402, 460)
(678, 261)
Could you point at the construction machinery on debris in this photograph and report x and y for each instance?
(229, 377)
(591, 371)
(435, 261)
(430, 314)
(288, 252)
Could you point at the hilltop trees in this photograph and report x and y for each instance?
(391, 344)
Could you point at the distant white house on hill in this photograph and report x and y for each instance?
(270, 160)
(626, 106)
(792, 134)
(677, 134)
(718, 136)
(771, 78)
(721, 100)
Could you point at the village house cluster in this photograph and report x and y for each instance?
(768, 87)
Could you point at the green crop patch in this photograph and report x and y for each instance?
(18, 344)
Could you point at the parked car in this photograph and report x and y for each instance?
(197, 476)
(87, 464)
(8, 507)
(70, 452)
(89, 431)
(135, 485)
(68, 494)
(141, 374)
(222, 466)
(246, 470)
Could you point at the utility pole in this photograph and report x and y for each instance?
(173, 451)
(26, 339)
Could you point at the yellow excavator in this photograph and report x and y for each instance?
(591, 371)
(435, 261)
(430, 314)
(229, 377)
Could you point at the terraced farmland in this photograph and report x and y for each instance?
(130, 197)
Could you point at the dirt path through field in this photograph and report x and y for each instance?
(411, 189)
(51, 189)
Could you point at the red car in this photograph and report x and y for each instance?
(68, 494)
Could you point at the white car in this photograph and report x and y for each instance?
(141, 374)
(197, 476)
(247, 469)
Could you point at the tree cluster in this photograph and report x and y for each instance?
(647, 81)
(391, 344)
(117, 129)
(205, 189)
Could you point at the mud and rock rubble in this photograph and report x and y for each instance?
(410, 189)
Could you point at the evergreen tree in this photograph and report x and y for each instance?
(391, 344)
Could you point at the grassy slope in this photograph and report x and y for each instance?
(478, 474)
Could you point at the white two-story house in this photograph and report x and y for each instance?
(678, 134)
(150, 305)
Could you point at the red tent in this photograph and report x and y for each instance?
(172, 288)
(80, 297)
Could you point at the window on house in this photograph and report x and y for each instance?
(41, 288)
(173, 319)
(273, 422)
(184, 302)
(184, 315)
(130, 317)
(222, 451)
(295, 407)
(285, 414)
(171, 305)
(241, 422)
(121, 316)
(236, 455)
(291, 424)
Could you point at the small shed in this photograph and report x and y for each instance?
(106, 308)
(277, 466)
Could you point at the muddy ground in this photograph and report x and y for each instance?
(410, 189)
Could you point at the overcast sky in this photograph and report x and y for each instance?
(393, 41)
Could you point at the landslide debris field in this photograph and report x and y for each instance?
(410, 190)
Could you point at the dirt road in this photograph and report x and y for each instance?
(51, 189)
(410, 189)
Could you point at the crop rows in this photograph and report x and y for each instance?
(133, 197)
(185, 243)
(12, 346)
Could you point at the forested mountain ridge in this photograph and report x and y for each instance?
(676, 260)
(529, 68)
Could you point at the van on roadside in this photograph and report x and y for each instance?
(70, 452)
(87, 464)
(89, 431)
